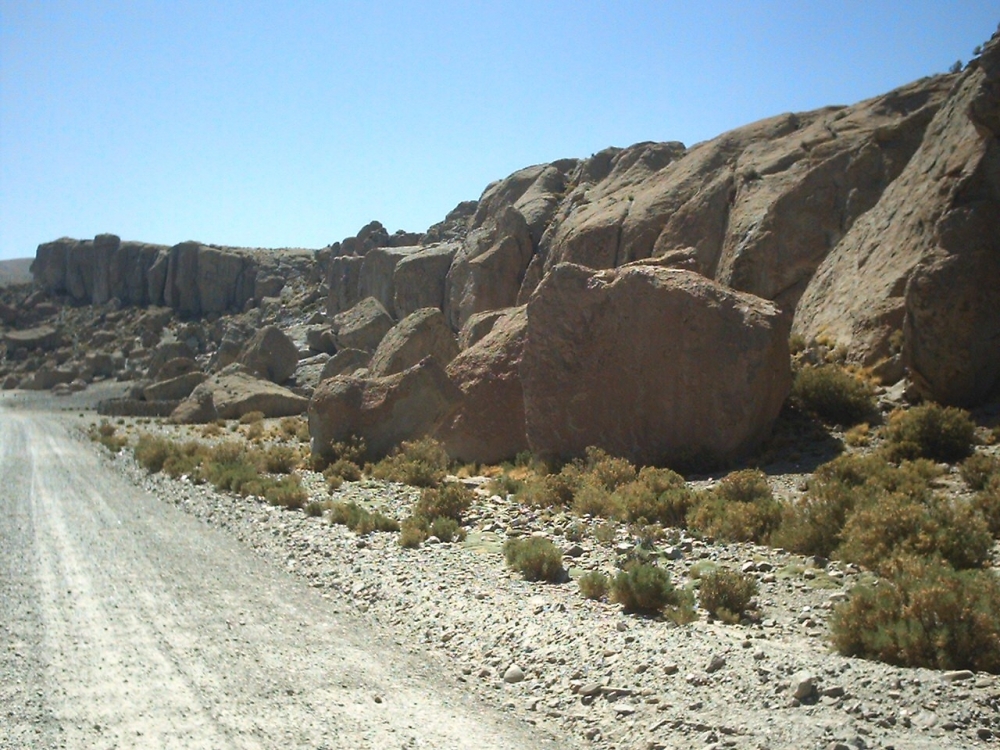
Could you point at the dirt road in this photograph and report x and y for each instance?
(126, 623)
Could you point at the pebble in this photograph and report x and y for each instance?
(513, 675)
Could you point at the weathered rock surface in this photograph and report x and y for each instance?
(488, 425)
(236, 392)
(271, 354)
(487, 272)
(654, 364)
(418, 280)
(363, 326)
(926, 258)
(377, 272)
(44, 338)
(384, 411)
(345, 362)
(175, 388)
(191, 278)
(421, 334)
(199, 408)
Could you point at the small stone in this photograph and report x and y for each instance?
(514, 674)
(670, 669)
(590, 688)
(983, 733)
(957, 674)
(802, 685)
(717, 663)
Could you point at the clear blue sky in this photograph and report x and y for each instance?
(295, 123)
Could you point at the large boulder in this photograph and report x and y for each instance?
(175, 388)
(420, 334)
(363, 326)
(42, 338)
(342, 279)
(384, 411)
(418, 279)
(488, 424)
(655, 364)
(271, 354)
(236, 392)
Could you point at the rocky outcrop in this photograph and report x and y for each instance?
(421, 334)
(488, 269)
(926, 259)
(488, 424)
(271, 354)
(192, 278)
(383, 411)
(419, 279)
(42, 338)
(377, 273)
(363, 326)
(658, 365)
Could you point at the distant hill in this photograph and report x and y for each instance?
(15, 271)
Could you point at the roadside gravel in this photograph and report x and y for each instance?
(584, 668)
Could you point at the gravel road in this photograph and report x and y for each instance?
(126, 623)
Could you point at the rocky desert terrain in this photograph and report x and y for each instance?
(739, 311)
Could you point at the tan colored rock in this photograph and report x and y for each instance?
(488, 270)
(419, 279)
(175, 388)
(199, 408)
(42, 338)
(345, 362)
(236, 392)
(421, 334)
(343, 278)
(363, 326)
(654, 364)
(488, 424)
(176, 367)
(377, 271)
(479, 325)
(384, 411)
(926, 258)
(271, 354)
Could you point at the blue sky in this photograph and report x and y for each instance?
(295, 123)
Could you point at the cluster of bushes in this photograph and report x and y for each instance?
(438, 512)
(227, 466)
(361, 520)
(107, 435)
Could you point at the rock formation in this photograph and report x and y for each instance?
(658, 365)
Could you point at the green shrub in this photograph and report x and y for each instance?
(450, 500)
(343, 469)
(505, 484)
(977, 470)
(551, 490)
(606, 532)
(833, 394)
(447, 529)
(658, 496)
(987, 502)
(924, 615)
(152, 452)
(595, 500)
(286, 491)
(535, 558)
(420, 463)
(898, 525)
(359, 519)
(608, 471)
(593, 585)
(741, 508)
(646, 589)
(413, 532)
(315, 508)
(727, 594)
(279, 459)
(185, 459)
(940, 433)
(228, 467)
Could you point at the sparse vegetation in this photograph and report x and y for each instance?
(726, 594)
(535, 558)
(647, 590)
(940, 433)
(924, 614)
(360, 520)
(833, 394)
(107, 435)
(451, 500)
(741, 508)
(978, 469)
(593, 585)
(421, 463)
